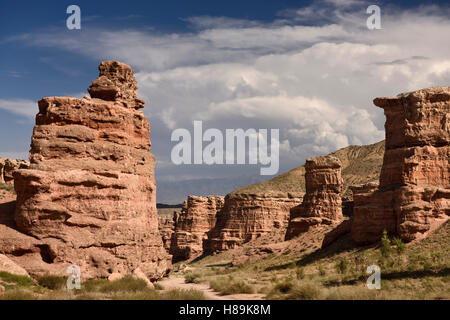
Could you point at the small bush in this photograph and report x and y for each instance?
(307, 291)
(427, 266)
(158, 286)
(7, 187)
(289, 290)
(180, 294)
(52, 282)
(283, 287)
(300, 272)
(400, 246)
(192, 277)
(126, 284)
(322, 271)
(227, 287)
(385, 245)
(342, 265)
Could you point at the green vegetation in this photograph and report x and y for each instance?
(52, 282)
(7, 187)
(227, 285)
(53, 288)
(420, 270)
(192, 277)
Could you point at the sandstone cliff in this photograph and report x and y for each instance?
(89, 194)
(414, 189)
(166, 229)
(322, 203)
(197, 218)
(8, 167)
(246, 217)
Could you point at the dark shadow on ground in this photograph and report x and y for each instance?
(7, 214)
(343, 244)
(396, 275)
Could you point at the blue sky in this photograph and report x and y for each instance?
(310, 68)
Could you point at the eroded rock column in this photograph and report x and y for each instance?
(322, 203)
(246, 217)
(90, 191)
(414, 190)
(197, 218)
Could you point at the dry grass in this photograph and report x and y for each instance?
(52, 288)
(420, 270)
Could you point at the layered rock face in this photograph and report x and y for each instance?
(197, 218)
(414, 190)
(246, 217)
(322, 203)
(8, 167)
(89, 193)
(166, 229)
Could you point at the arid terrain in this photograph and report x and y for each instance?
(86, 201)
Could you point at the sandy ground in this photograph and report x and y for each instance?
(177, 282)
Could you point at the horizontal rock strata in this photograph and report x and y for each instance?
(197, 218)
(89, 193)
(246, 217)
(322, 203)
(414, 190)
(8, 167)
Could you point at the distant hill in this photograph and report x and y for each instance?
(360, 164)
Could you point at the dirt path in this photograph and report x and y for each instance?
(177, 282)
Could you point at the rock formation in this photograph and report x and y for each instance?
(414, 189)
(89, 194)
(246, 217)
(197, 218)
(8, 167)
(7, 265)
(166, 229)
(322, 203)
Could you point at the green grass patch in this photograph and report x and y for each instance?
(21, 281)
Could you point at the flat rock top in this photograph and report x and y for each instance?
(323, 162)
(434, 94)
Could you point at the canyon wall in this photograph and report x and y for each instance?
(413, 195)
(248, 216)
(166, 229)
(89, 194)
(322, 203)
(197, 218)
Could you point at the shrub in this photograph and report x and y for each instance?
(191, 277)
(307, 291)
(427, 266)
(300, 272)
(322, 271)
(226, 287)
(126, 284)
(342, 265)
(52, 282)
(7, 187)
(385, 245)
(158, 286)
(180, 294)
(283, 287)
(401, 247)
